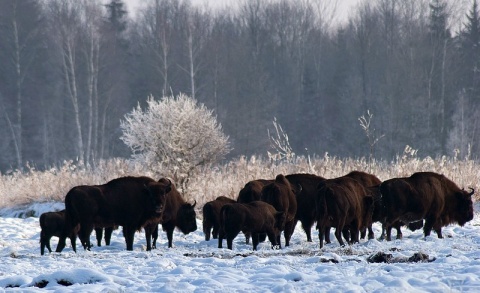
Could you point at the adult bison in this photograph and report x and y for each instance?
(252, 191)
(129, 202)
(368, 181)
(281, 196)
(256, 217)
(211, 216)
(177, 214)
(342, 203)
(306, 187)
(425, 196)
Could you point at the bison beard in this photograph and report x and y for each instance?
(255, 217)
(425, 196)
(130, 202)
(211, 216)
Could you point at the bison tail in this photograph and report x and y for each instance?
(207, 211)
(322, 209)
(71, 214)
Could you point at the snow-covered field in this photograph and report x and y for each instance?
(196, 265)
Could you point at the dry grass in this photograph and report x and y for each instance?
(51, 185)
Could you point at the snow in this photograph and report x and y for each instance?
(452, 264)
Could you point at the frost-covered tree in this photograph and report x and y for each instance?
(174, 137)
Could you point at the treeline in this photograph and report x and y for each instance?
(72, 69)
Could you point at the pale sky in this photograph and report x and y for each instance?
(345, 6)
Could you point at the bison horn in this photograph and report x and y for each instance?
(194, 204)
(472, 191)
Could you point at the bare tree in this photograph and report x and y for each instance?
(91, 48)
(65, 24)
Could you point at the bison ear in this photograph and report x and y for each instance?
(368, 200)
(297, 189)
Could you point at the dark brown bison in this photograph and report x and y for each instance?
(306, 188)
(52, 224)
(342, 203)
(281, 196)
(211, 216)
(252, 191)
(369, 180)
(425, 196)
(177, 214)
(255, 217)
(129, 202)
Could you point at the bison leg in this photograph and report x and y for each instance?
(44, 242)
(220, 240)
(371, 235)
(108, 235)
(427, 228)
(354, 235)
(254, 241)
(148, 235)
(389, 232)
(99, 236)
(168, 227)
(129, 234)
(327, 235)
(62, 243)
(307, 227)
(221, 236)
(206, 229)
(346, 235)
(247, 237)
(338, 235)
(287, 233)
(215, 231)
(230, 243)
(155, 237)
(321, 235)
(73, 242)
(439, 232)
(399, 231)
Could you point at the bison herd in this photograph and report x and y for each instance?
(264, 208)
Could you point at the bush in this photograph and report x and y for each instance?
(174, 137)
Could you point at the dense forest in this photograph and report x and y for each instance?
(70, 71)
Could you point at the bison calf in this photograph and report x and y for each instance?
(52, 224)
(255, 217)
(211, 216)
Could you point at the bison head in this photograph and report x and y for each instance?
(157, 192)
(465, 206)
(187, 218)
